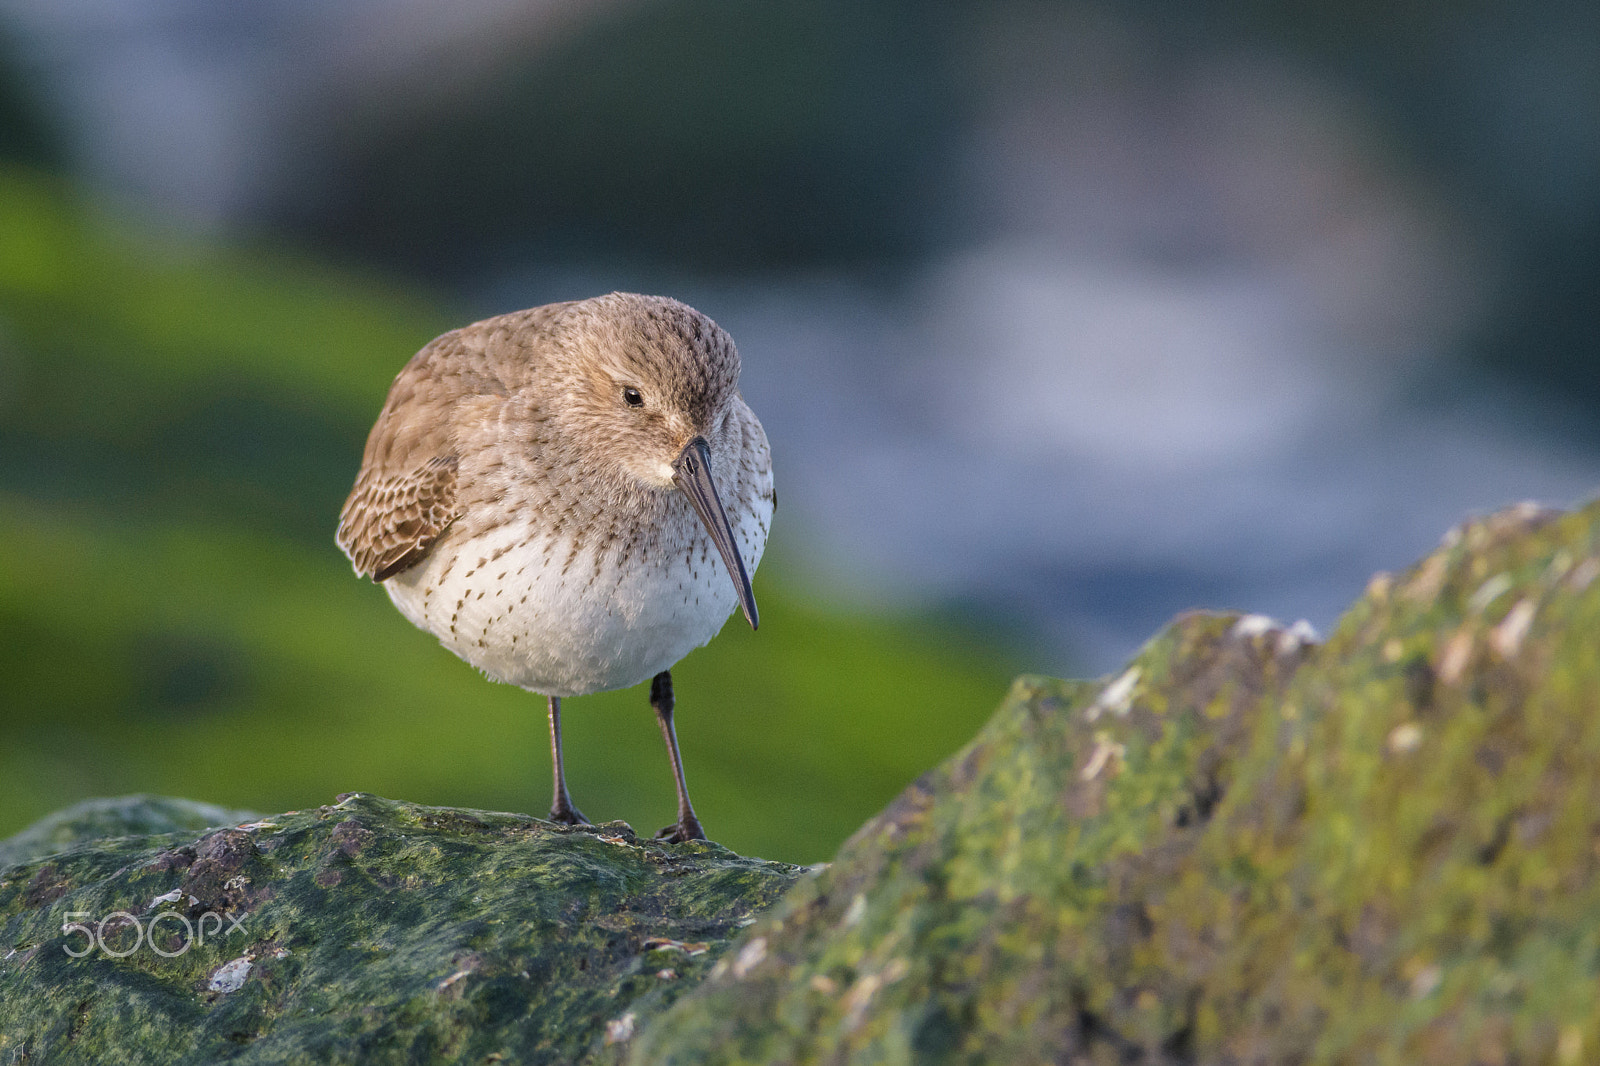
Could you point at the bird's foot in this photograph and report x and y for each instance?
(678, 832)
(568, 815)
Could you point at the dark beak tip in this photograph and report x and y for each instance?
(692, 474)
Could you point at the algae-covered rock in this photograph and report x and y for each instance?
(369, 931)
(94, 819)
(1243, 849)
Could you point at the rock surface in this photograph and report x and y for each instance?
(1243, 849)
(96, 819)
(370, 931)
(1247, 847)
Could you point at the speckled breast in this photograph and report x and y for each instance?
(564, 618)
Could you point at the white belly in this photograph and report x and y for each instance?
(551, 621)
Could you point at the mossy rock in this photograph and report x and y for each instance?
(95, 819)
(369, 931)
(1246, 848)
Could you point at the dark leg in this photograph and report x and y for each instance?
(688, 826)
(561, 808)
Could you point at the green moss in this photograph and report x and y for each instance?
(1242, 849)
(1422, 814)
(368, 931)
(96, 819)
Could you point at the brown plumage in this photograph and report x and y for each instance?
(550, 492)
(391, 521)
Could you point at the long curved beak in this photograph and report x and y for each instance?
(691, 472)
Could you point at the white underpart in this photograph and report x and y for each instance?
(560, 629)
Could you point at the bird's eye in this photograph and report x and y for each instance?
(632, 397)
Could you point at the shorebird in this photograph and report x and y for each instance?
(571, 498)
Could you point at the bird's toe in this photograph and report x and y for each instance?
(678, 832)
(568, 816)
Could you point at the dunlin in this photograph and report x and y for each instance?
(571, 498)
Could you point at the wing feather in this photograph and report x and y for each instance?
(411, 487)
(389, 523)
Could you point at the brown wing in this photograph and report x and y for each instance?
(390, 523)
(408, 492)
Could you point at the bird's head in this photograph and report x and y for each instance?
(651, 384)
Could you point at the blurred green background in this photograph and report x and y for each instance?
(181, 423)
(1062, 317)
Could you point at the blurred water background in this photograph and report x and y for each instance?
(1062, 318)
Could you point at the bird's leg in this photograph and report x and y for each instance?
(688, 826)
(561, 808)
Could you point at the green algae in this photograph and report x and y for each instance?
(1245, 848)
(94, 819)
(368, 931)
(1421, 821)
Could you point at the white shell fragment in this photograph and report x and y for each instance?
(1116, 697)
(230, 976)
